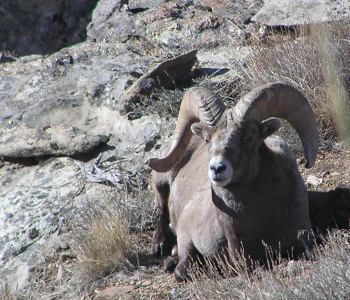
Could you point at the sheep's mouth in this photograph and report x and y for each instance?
(219, 181)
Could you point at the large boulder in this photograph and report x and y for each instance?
(300, 12)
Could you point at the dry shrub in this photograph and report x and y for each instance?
(6, 293)
(162, 102)
(106, 240)
(316, 62)
(325, 276)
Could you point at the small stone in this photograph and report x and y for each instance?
(326, 173)
(34, 233)
(114, 292)
(314, 181)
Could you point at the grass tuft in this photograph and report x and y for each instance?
(325, 276)
(106, 241)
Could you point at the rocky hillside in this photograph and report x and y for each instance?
(78, 118)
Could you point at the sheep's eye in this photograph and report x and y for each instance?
(207, 141)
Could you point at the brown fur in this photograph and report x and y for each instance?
(269, 208)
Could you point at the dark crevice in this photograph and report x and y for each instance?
(36, 160)
(94, 153)
(29, 28)
(138, 10)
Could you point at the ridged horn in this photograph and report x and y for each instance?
(281, 101)
(198, 104)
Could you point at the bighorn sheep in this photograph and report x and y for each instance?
(226, 182)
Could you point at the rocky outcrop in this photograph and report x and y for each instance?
(61, 105)
(291, 13)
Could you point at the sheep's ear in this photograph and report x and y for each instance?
(201, 130)
(269, 127)
(197, 129)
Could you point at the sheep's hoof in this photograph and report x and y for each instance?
(181, 274)
(170, 263)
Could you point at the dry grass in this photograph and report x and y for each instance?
(6, 293)
(316, 62)
(105, 242)
(162, 103)
(326, 276)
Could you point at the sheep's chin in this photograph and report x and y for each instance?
(221, 183)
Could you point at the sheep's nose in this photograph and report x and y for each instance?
(217, 168)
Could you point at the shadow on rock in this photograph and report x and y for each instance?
(329, 210)
(41, 27)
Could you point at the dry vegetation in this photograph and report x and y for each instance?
(316, 61)
(325, 276)
(107, 233)
(106, 242)
(6, 293)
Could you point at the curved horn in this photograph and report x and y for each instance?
(198, 104)
(282, 101)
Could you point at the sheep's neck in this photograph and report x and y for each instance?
(228, 202)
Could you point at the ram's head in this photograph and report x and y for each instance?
(236, 135)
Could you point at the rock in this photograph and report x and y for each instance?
(20, 276)
(28, 27)
(51, 141)
(169, 74)
(141, 5)
(314, 181)
(290, 13)
(223, 57)
(118, 27)
(103, 11)
(36, 202)
(115, 292)
(54, 109)
(329, 210)
(238, 11)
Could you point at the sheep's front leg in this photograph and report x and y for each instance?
(232, 241)
(163, 238)
(187, 254)
(226, 218)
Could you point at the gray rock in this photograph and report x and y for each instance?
(290, 13)
(223, 57)
(139, 5)
(103, 11)
(119, 26)
(314, 181)
(39, 199)
(51, 141)
(50, 108)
